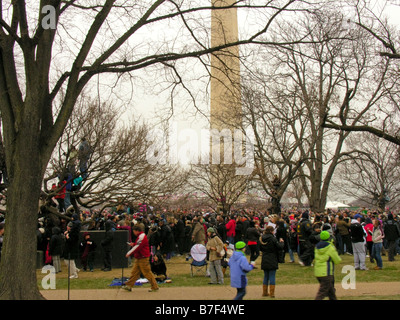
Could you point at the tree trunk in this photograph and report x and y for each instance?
(18, 264)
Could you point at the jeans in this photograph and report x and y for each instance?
(291, 255)
(269, 277)
(376, 253)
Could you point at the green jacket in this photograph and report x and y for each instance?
(325, 259)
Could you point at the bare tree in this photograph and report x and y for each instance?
(322, 74)
(273, 118)
(373, 175)
(118, 168)
(51, 47)
(220, 183)
(380, 114)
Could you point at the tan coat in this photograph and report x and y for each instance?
(199, 234)
(214, 242)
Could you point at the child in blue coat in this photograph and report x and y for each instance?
(239, 267)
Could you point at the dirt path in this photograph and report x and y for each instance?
(224, 292)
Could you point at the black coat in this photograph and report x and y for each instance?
(71, 248)
(391, 230)
(269, 246)
(56, 244)
(107, 242)
(252, 234)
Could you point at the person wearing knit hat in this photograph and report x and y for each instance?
(216, 250)
(326, 256)
(239, 267)
(240, 245)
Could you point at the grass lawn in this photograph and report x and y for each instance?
(180, 273)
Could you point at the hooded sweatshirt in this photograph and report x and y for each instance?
(239, 266)
(325, 259)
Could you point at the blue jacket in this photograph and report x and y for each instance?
(239, 266)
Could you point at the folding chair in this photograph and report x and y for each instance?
(199, 263)
(198, 267)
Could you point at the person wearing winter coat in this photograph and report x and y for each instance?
(167, 241)
(369, 228)
(391, 230)
(56, 245)
(214, 247)
(326, 257)
(239, 267)
(198, 233)
(231, 230)
(88, 250)
(107, 243)
(141, 252)
(358, 235)
(377, 239)
(158, 267)
(252, 236)
(306, 248)
(270, 248)
(71, 248)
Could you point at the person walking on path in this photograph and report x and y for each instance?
(270, 248)
(326, 256)
(215, 246)
(239, 267)
(141, 252)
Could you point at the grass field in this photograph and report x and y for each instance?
(180, 273)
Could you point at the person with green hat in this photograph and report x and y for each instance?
(215, 246)
(326, 256)
(239, 267)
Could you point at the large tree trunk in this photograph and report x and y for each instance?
(18, 264)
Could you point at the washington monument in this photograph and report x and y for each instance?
(225, 103)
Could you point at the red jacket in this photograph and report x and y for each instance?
(141, 247)
(61, 193)
(230, 228)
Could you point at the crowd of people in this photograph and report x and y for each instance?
(276, 238)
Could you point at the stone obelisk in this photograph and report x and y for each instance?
(225, 103)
